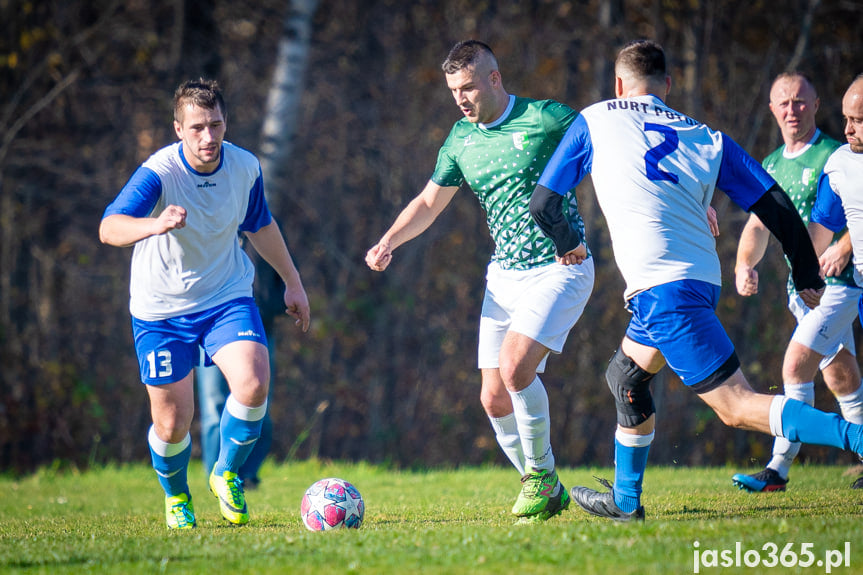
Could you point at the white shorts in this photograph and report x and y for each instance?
(542, 303)
(827, 328)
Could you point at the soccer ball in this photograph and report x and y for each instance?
(332, 503)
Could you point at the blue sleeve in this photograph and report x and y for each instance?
(257, 213)
(828, 210)
(741, 177)
(572, 160)
(138, 197)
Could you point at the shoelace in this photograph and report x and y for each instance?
(182, 514)
(533, 481)
(236, 487)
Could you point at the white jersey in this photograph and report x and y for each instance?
(840, 200)
(654, 171)
(201, 265)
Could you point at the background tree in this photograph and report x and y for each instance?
(86, 90)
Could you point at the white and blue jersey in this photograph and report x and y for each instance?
(839, 203)
(654, 171)
(201, 265)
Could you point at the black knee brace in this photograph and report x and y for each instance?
(630, 386)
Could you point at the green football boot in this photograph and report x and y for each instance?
(228, 488)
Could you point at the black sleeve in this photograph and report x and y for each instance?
(780, 216)
(546, 207)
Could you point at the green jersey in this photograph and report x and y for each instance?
(502, 162)
(798, 175)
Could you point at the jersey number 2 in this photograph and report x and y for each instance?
(656, 153)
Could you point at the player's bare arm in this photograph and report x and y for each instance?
(270, 244)
(121, 230)
(834, 259)
(414, 219)
(750, 250)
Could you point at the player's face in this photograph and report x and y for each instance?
(473, 93)
(794, 103)
(201, 132)
(852, 109)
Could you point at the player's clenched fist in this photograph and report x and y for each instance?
(171, 218)
(379, 257)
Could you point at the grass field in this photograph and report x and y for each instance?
(111, 520)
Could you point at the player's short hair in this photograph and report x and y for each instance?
(466, 54)
(642, 59)
(202, 93)
(791, 74)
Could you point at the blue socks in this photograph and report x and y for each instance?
(171, 462)
(240, 428)
(630, 461)
(803, 423)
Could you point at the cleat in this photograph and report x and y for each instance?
(228, 488)
(766, 480)
(858, 484)
(555, 505)
(179, 512)
(602, 504)
(537, 492)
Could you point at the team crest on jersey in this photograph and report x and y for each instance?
(468, 140)
(519, 140)
(807, 177)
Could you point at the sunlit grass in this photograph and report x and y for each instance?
(111, 520)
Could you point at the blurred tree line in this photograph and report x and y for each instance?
(387, 372)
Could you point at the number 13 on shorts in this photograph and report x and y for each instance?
(160, 363)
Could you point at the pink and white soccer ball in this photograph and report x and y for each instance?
(332, 503)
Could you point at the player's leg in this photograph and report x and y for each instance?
(629, 375)
(166, 353)
(547, 303)
(673, 322)
(244, 361)
(172, 408)
(738, 405)
(498, 407)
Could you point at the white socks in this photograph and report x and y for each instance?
(851, 406)
(506, 432)
(530, 408)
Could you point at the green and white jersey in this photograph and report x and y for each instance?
(798, 175)
(501, 162)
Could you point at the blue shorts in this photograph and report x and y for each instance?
(679, 319)
(168, 349)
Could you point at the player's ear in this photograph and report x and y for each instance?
(667, 85)
(618, 86)
(178, 129)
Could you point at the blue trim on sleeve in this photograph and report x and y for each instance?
(828, 210)
(572, 160)
(257, 213)
(139, 196)
(741, 177)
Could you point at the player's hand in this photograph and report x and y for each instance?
(172, 218)
(713, 221)
(297, 306)
(811, 297)
(746, 280)
(379, 257)
(833, 260)
(575, 256)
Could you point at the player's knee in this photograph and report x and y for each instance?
(630, 386)
(495, 404)
(516, 374)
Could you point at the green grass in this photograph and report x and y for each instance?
(111, 520)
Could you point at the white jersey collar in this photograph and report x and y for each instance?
(503, 116)
(790, 156)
